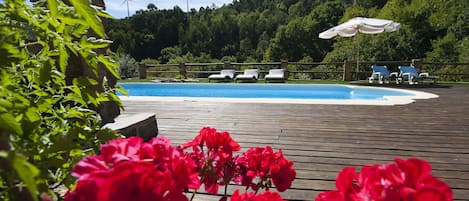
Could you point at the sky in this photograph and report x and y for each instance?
(118, 8)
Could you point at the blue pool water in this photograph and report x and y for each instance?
(291, 91)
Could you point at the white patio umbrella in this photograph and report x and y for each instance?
(362, 25)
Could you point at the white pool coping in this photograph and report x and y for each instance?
(388, 100)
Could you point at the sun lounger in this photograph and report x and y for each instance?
(226, 75)
(410, 74)
(275, 74)
(381, 73)
(248, 75)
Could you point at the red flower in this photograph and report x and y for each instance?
(89, 165)
(120, 183)
(331, 196)
(265, 164)
(414, 169)
(266, 196)
(282, 174)
(200, 139)
(345, 187)
(213, 153)
(344, 181)
(405, 180)
(122, 149)
(130, 169)
(423, 184)
(380, 182)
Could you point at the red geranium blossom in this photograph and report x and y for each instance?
(264, 164)
(404, 180)
(213, 152)
(129, 169)
(249, 196)
(282, 173)
(218, 143)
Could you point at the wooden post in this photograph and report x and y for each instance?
(226, 65)
(284, 65)
(142, 71)
(347, 70)
(183, 70)
(417, 64)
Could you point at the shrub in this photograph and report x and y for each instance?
(48, 122)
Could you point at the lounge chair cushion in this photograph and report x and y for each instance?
(249, 74)
(380, 70)
(275, 74)
(224, 74)
(408, 71)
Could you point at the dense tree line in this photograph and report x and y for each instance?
(271, 30)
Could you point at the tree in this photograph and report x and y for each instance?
(151, 7)
(290, 29)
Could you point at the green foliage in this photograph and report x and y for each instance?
(271, 30)
(150, 61)
(47, 124)
(128, 67)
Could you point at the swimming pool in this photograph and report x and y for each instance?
(291, 93)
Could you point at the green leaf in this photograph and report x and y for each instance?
(8, 51)
(21, 101)
(80, 30)
(107, 134)
(115, 98)
(63, 58)
(5, 105)
(53, 6)
(32, 115)
(103, 13)
(27, 173)
(10, 124)
(121, 90)
(44, 73)
(89, 14)
(85, 82)
(94, 43)
(76, 153)
(110, 65)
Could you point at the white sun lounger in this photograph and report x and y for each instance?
(275, 74)
(224, 75)
(249, 75)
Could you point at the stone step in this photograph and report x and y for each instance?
(143, 125)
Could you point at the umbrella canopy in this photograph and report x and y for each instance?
(362, 25)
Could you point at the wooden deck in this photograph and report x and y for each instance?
(322, 139)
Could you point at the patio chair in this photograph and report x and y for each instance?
(381, 73)
(226, 75)
(410, 74)
(248, 75)
(275, 74)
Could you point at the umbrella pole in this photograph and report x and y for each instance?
(358, 55)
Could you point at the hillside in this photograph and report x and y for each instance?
(271, 30)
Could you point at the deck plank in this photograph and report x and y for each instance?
(322, 139)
